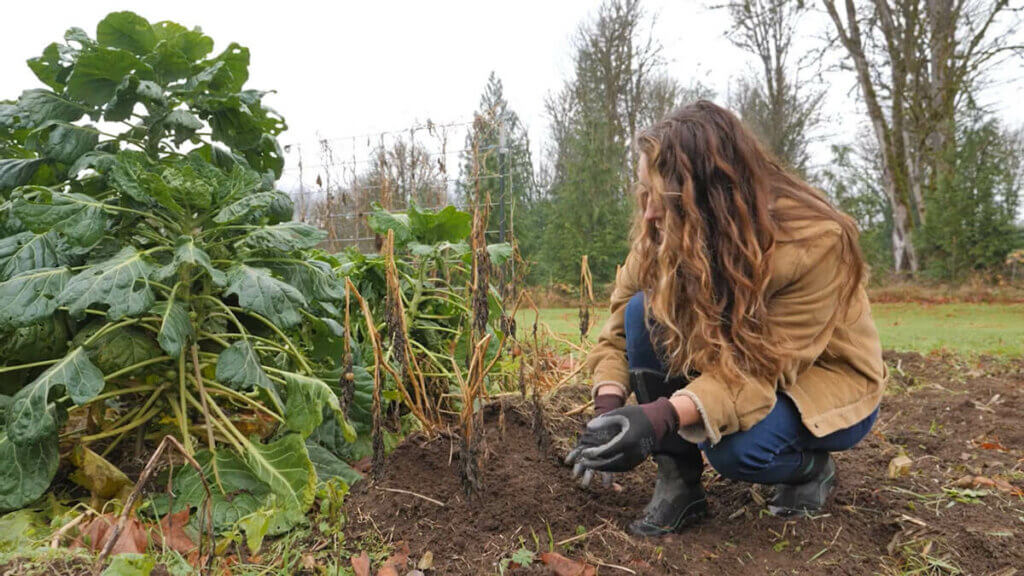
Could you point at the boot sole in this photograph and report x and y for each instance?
(645, 529)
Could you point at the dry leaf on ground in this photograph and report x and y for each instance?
(171, 533)
(361, 564)
(96, 532)
(563, 566)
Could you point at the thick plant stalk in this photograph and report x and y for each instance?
(348, 378)
(481, 259)
(377, 462)
(470, 424)
(398, 331)
(586, 298)
(539, 427)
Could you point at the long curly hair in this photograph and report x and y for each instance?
(706, 267)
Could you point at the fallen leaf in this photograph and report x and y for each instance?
(361, 564)
(95, 534)
(994, 445)
(426, 561)
(171, 534)
(362, 466)
(396, 562)
(1000, 484)
(563, 566)
(899, 466)
(97, 475)
(133, 538)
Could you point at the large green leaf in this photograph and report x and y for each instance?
(307, 399)
(186, 252)
(381, 221)
(183, 123)
(26, 471)
(16, 172)
(231, 76)
(245, 206)
(63, 142)
(121, 283)
(284, 237)
(130, 564)
(243, 494)
(328, 340)
(169, 63)
(187, 186)
(30, 418)
(98, 72)
(27, 251)
(263, 294)
(314, 278)
(126, 30)
(118, 348)
(447, 225)
(51, 68)
(124, 100)
(42, 340)
(233, 123)
(328, 466)
(499, 253)
(126, 176)
(31, 296)
(175, 327)
(77, 216)
(238, 366)
(192, 43)
(38, 106)
(285, 467)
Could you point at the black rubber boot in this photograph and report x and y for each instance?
(678, 500)
(807, 493)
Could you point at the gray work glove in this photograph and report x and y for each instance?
(603, 403)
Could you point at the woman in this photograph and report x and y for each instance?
(740, 321)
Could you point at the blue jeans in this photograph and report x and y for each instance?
(770, 452)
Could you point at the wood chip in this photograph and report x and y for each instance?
(899, 466)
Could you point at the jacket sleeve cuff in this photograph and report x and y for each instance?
(700, 431)
(598, 385)
(716, 408)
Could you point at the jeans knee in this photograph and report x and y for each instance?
(634, 316)
(739, 460)
(635, 325)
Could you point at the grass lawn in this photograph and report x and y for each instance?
(996, 329)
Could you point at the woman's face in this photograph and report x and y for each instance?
(654, 211)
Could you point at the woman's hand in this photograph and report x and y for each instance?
(621, 439)
(606, 399)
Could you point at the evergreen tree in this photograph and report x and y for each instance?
(482, 162)
(591, 162)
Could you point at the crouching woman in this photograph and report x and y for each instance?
(741, 323)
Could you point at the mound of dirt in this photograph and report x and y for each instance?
(957, 423)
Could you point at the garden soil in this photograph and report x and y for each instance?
(956, 507)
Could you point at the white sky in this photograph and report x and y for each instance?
(352, 68)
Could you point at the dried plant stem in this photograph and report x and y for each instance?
(377, 462)
(409, 368)
(586, 297)
(129, 505)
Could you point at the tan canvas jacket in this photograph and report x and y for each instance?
(835, 376)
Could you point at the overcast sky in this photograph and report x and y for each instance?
(343, 69)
